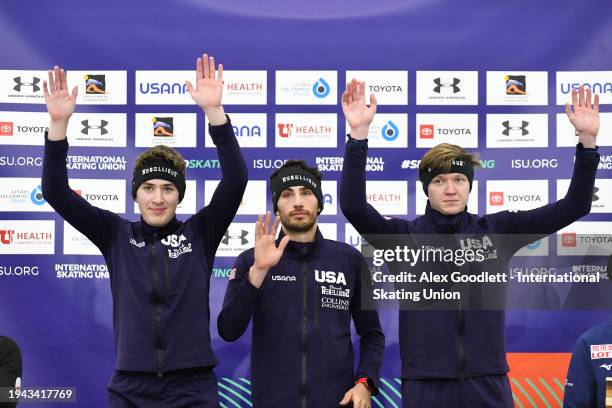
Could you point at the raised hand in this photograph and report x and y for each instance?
(209, 89)
(60, 103)
(584, 116)
(357, 113)
(267, 254)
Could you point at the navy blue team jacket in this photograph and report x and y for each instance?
(458, 344)
(302, 355)
(159, 276)
(591, 363)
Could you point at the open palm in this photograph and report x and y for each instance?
(356, 112)
(209, 84)
(60, 103)
(267, 254)
(584, 115)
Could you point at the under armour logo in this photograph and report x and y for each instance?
(241, 237)
(595, 196)
(33, 84)
(508, 128)
(440, 84)
(606, 366)
(87, 127)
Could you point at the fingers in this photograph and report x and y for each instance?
(51, 81)
(199, 69)
(347, 398)
(373, 103)
(596, 103)
(57, 82)
(275, 226)
(206, 66)
(211, 67)
(588, 98)
(568, 110)
(352, 87)
(283, 244)
(75, 93)
(345, 98)
(190, 86)
(258, 227)
(220, 73)
(63, 82)
(581, 102)
(574, 98)
(267, 223)
(45, 91)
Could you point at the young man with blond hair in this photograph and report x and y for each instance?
(457, 358)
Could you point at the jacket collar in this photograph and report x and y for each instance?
(447, 223)
(301, 250)
(154, 233)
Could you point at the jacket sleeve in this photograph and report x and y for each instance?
(353, 202)
(240, 302)
(550, 218)
(580, 387)
(95, 223)
(214, 219)
(367, 325)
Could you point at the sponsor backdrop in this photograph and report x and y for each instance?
(486, 77)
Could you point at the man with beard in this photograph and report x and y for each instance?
(456, 357)
(301, 291)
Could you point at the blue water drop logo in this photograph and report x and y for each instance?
(534, 245)
(321, 88)
(390, 132)
(37, 197)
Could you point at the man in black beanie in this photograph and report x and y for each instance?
(302, 291)
(456, 358)
(159, 267)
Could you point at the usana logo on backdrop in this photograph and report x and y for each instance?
(250, 130)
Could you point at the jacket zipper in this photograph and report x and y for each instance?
(460, 318)
(156, 294)
(167, 273)
(461, 345)
(304, 328)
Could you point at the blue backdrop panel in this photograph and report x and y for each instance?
(64, 325)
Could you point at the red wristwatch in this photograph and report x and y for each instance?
(369, 383)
